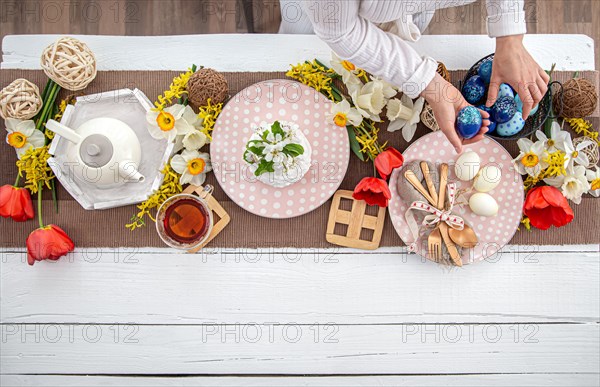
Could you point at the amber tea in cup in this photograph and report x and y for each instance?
(184, 221)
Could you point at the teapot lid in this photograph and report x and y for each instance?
(96, 150)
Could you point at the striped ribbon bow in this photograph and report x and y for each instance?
(435, 216)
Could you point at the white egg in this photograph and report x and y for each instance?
(483, 204)
(467, 166)
(487, 179)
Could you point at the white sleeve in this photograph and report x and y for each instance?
(505, 17)
(351, 37)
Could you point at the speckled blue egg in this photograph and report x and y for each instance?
(519, 104)
(512, 127)
(468, 122)
(474, 89)
(506, 91)
(485, 71)
(504, 109)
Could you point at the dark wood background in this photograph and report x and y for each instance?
(177, 17)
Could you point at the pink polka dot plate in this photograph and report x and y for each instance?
(266, 102)
(493, 232)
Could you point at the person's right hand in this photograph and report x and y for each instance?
(446, 101)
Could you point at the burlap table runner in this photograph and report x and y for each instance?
(106, 228)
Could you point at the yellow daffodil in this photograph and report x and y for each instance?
(531, 157)
(343, 114)
(593, 177)
(573, 184)
(170, 122)
(192, 165)
(22, 135)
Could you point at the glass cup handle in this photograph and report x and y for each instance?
(206, 191)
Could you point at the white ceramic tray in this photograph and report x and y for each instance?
(129, 106)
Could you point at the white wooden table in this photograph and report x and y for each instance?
(528, 316)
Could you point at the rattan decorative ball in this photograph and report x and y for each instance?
(579, 99)
(21, 100)
(70, 63)
(443, 71)
(591, 151)
(428, 118)
(205, 84)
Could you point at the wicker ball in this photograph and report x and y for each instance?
(70, 63)
(591, 151)
(428, 118)
(21, 100)
(443, 71)
(579, 99)
(205, 84)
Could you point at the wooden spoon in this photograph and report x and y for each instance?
(465, 238)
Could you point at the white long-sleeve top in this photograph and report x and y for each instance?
(373, 34)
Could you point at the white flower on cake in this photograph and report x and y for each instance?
(22, 135)
(278, 154)
(192, 165)
(171, 122)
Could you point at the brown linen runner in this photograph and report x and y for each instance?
(106, 228)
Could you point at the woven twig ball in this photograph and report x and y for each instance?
(591, 150)
(428, 118)
(443, 71)
(579, 99)
(70, 63)
(21, 100)
(205, 84)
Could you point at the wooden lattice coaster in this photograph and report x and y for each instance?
(220, 216)
(356, 220)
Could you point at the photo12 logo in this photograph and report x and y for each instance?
(69, 333)
(270, 332)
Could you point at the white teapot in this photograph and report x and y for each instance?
(106, 152)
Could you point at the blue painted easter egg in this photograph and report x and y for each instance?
(489, 110)
(506, 91)
(519, 104)
(474, 89)
(468, 122)
(504, 109)
(512, 127)
(485, 71)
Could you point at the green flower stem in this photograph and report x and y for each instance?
(47, 105)
(54, 197)
(17, 180)
(39, 204)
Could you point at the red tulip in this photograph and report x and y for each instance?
(387, 161)
(546, 206)
(374, 191)
(48, 242)
(15, 203)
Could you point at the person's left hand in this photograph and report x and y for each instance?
(514, 65)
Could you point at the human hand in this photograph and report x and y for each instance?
(446, 101)
(515, 66)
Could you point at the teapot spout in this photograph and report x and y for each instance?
(129, 173)
(63, 131)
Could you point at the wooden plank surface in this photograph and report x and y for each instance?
(497, 380)
(264, 52)
(276, 348)
(233, 285)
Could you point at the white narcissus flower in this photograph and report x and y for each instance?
(557, 139)
(194, 140)
(369, 100)
(169, 122)
(574, 154)
(404, 114)
(346, 69)
(573, 184)
(343, 114)
(593, 177)
(530, 159)
(192, 165)
(22, 135)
